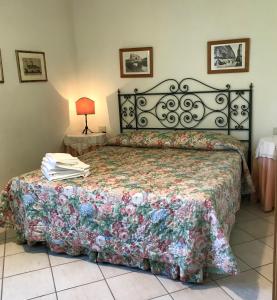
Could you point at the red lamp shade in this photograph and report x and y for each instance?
(85, 106)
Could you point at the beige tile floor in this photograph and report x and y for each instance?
(36, 273)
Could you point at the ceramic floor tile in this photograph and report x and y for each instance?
(257, 210)
(25, 262)
(10, 233)
(110, 270)
(201, 292)
(13, 248)
(76, 273)
(2, 247)
(257, 228)
(1, 266)
(242, 265)
(269, 218)
(28, 285)
(2, 233)
(59, 259)
(243, 215)
(239, 236)
(266, 271)
(172, 285)
(96, 291)
(269, 240)
(136, 286)
(247, 286)
(254, 253)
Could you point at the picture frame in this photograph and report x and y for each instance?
(1, 69)
(136, 62)
(228, 56)
(31, 66)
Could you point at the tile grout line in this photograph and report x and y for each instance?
(66, 264)
(262, 276)
(106, 281)
(52, 276)
(244, 260)
(224, 291)
(79, 285)
(254, 213)
(167, 294)
(32, 251)
(254, 237)
(167, 289)
(26, 272)
(40, 296)
(264, 218)
(3, 267)
(251, 268)
(260, 240)
(263, 265)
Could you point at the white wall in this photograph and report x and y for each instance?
(178, 30)
(34, 116)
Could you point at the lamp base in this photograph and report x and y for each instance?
(86, 130)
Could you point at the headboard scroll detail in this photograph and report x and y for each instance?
(189, 104)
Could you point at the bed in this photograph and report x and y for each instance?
(161, 200)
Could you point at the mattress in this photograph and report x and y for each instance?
(170, 210)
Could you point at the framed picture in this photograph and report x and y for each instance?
(1, 70)
(136, 62)
(228, 56)
(31, 66)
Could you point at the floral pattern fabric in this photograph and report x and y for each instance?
(167, 210)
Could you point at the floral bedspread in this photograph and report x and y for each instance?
(168, 210)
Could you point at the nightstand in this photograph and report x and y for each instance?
(265, 172)
(78, 144)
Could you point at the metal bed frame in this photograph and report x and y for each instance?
(189, 104)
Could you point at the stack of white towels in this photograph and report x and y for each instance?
(57, 166)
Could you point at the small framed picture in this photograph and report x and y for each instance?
(1, 69)
(228, 56)
(31, 66)
(136, 62)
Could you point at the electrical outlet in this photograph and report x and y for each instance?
(275, 131)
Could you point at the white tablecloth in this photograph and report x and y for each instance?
(267, 147)
(81, 143)
(265, 172)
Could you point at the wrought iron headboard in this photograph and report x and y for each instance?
(189, 104)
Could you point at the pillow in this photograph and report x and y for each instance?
(143, 138)
(186, 139)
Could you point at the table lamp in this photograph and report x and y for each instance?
(85, 106)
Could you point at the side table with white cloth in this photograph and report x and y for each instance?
(264, 171)
(78, 144)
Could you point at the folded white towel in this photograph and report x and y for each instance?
(64, 158)
(61, 172)
(58, 166)
(78, 166)
(60, 176)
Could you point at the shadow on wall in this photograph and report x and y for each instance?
(113, 114)
(35, 127)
